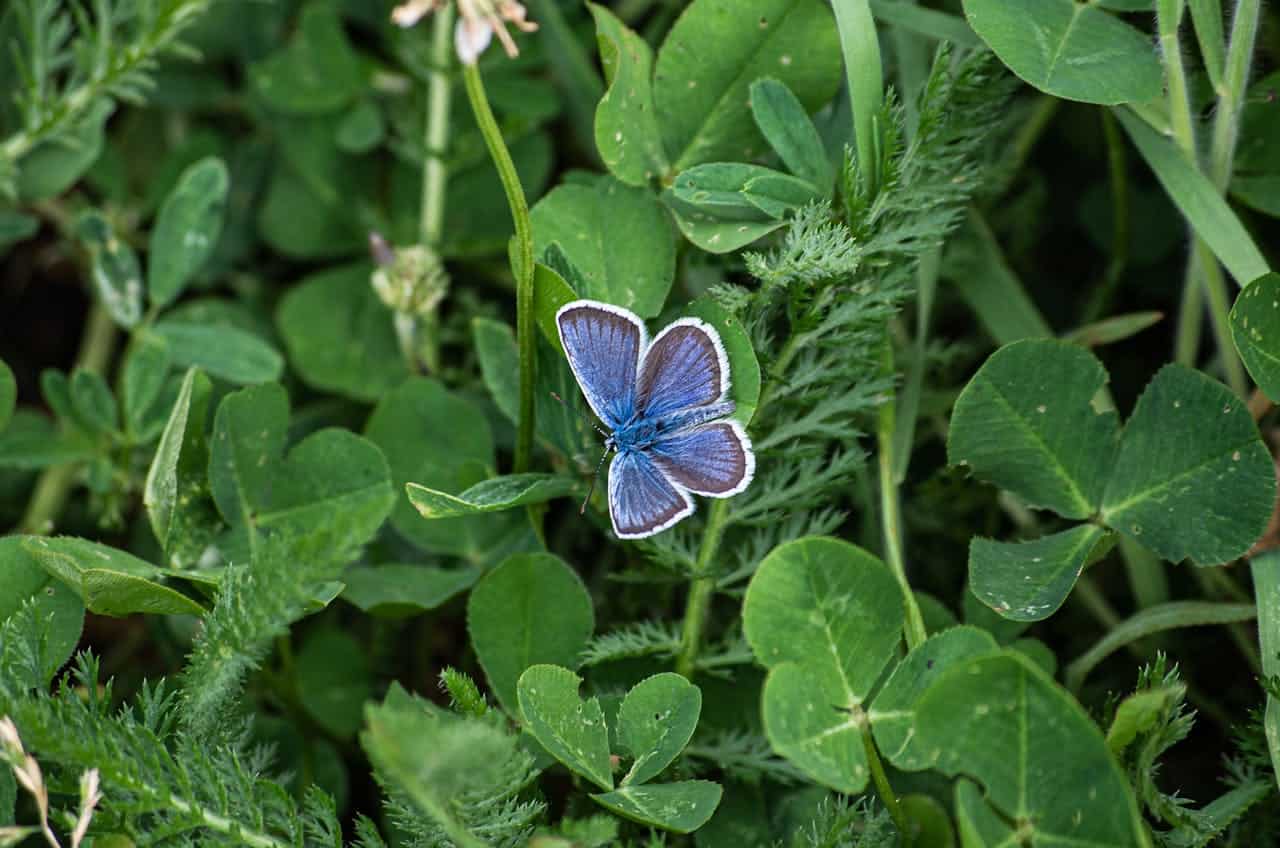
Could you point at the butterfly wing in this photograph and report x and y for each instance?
(603, 344)
(642, 501)
(714, 459)
(684, 367)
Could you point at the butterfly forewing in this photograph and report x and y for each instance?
(642, 501)
(684, 367)
(603, 344)
(714, 459)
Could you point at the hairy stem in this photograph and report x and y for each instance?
(434, 173)
(890, 508)
(701, 589)
(54, 485)
(523, 260)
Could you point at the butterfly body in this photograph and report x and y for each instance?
(664, 403)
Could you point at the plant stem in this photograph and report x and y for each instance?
(434, 173)
(1155, 620)
(702, 588)
(54, 485)
(883, 789)
(1226, 124)
(890, 509)
(522, 260)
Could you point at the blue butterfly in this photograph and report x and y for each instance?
(662, 402)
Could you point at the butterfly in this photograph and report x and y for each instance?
(665, 404)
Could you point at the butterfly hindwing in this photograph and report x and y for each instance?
(642, 501)
(603, 344)
(713, 459)
(684, 367)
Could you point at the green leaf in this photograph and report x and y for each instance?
(740, 192)
(1255, 329)
(1028, 581)
(316, 72)
(928, 821)
(117, 277)
(1140, 712)
(108, 580)
(626, 128)
(1024, 422)
(892, 714)
(493, 495)
(678, 807)
(1192, 477)
(550, 292)
(712, 55)
(187, 229)
(226, 352)
(16, 227)
(8, 394)
(826, 618)
(509, 625)
(618, 238)
(1070, 50)
(572, 731)
(715, 234)
(1002, 721)
(744, 368)
(978, 614)
(1198, 200)
(92, 402)
(334, 680)
(180, 465)
(146, 366)
(54, 166)
(1111, 330)
(457, 453)
(655, 722)
(331, 478)
(25, 580)
(980, 826)
(398, 591)
(361, 129)
(340, 336)
(785, 124)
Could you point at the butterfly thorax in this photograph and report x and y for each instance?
(640, 433)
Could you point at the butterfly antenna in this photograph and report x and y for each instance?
(585, 417)
(594, 477)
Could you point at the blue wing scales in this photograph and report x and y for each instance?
(684, 367)
(603, 344)
(642, 501)
(715, 459)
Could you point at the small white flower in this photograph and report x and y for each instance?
(478, 22)
(89, 798)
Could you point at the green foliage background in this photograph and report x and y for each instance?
(292, 459)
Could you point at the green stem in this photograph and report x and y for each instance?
(1118, 177)
(702, 589)
(522, 260)
(434, 172)
(1168, 17)
(1031, 130)
(1168, 616)
(1226, 124)
(890, 508)
(883, 789)
(865, 77)
(54, 485)
(1215, 288)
